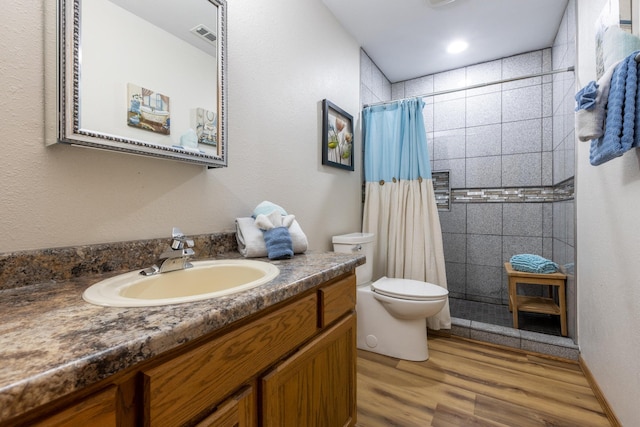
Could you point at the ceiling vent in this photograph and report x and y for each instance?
(204, 33)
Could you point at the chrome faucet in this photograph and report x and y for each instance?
(174, 258)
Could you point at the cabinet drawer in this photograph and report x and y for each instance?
(96, 410)
(191, 383)
(337, 299)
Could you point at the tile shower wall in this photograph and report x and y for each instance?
(374, 86)
(563, 55)
(496, 136)
(507, 135)
(514, 134)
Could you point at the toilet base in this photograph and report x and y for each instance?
(380, 332)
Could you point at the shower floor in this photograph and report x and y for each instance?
(498, 314)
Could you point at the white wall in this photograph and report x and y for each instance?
(608, 238)
(188, 78)
(284, 57)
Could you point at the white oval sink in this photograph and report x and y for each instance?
(206, 279)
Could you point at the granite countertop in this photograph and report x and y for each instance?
(53, 343)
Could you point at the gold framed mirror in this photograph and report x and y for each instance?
(144, 77)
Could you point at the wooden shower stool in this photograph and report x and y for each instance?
(537, 304)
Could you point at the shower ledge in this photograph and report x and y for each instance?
(515, 338)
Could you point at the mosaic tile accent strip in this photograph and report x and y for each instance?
(559, 192)
(442, 189)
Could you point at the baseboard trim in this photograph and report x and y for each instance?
(611, 416)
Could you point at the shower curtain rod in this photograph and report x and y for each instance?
(442, 92)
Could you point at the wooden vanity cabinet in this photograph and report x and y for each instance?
(185, 386)
(302, 356)
(293, 366)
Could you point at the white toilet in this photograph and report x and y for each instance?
(392, 313)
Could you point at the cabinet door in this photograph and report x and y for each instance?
(236, 412)
(316, 386)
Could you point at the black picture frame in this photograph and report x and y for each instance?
(337, 137)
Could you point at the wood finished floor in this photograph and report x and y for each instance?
(466, 383)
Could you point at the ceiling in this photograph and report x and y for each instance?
(178, 18)
(408, 38)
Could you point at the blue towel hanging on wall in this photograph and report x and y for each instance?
(623, 113)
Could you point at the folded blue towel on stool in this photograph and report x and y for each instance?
(530, 263)
(278, 243)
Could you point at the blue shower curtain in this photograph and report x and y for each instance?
(400, 206)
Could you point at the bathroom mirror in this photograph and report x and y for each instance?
(143, 77)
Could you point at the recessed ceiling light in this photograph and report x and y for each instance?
(457, 46)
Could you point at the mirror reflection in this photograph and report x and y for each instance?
(147, 77)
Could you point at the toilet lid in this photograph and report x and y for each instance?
(408, 289)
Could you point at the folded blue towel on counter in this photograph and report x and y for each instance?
(619, 132)
(586, 97)
(278, 242)
(530, 263)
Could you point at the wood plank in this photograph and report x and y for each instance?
(448, 416)
(465, 383)
(529, 364)
(378, 358)
(497, 382)
(534, 276)
(414, 399)
(537, 305)
(511, 414)
(562, 371)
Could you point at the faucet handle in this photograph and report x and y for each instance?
(179, 240)
(176, 233)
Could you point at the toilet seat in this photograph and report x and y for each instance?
(409, 289)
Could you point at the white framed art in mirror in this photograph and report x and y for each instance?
(144, 77)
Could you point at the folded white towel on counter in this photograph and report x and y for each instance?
(251, 238)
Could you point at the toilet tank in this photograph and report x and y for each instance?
(357, 243)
